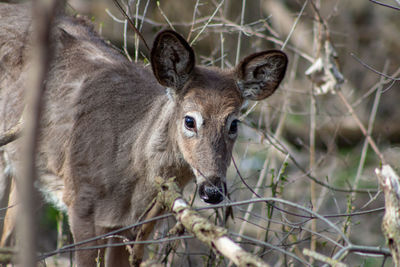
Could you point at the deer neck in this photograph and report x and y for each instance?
(162, 150)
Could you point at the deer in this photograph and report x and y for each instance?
(110, 126)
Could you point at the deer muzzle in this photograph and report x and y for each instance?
(212, 191)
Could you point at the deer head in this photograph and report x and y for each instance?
(208, 101)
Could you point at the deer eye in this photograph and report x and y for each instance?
(234, 127)
(190, 123)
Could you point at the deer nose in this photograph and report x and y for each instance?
(212, 193)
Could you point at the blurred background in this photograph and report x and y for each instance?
(303, 144)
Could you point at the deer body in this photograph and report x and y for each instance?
(109, 126)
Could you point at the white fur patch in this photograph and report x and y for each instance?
(199, 178)
(97, 55)
(54, 197)
(187, 132)
(77, 84)
(170, 93)
(52, 188)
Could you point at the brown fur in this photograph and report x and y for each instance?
(108, 126)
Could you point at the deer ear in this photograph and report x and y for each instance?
(258, 75)
(172, 60)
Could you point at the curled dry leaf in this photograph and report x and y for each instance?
(325, 73)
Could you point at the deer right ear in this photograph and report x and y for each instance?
(172, 60)
(259, 75)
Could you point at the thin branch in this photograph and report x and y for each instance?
(294, 25)
(375, 87)
(11, 135)
(193, 20)
(323, 258)
(75, 246)
(259, 242)
(369, 130)
(372, 69)
(165, 16)
(288, 203)
(362, 249)
(385, 5)
(131, 23)
(361, 126)
(125, 243)
(280, 147)
(239, 41)
(206, 24)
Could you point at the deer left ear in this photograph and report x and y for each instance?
(172, 60)
(259, 74)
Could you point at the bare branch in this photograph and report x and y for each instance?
(323, 258)
(11, 135)
(213, 236)
(372, 69)
(385, 5)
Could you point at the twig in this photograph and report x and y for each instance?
(75, 246)
(164, 16)
(372, 69)
(323, 258)
(126, 41)
(361, 126)
(137, 26)
(272, 247)
(11, 135)
(239, 41)
(362, 249)
(374, 88)
(193, 20)
(142, 18)
(369, 131)
(258, 187)
(385, 5)
(294, 25)
(114, 17)
(222, 50)
(131, 23)
(287, 203)
(121, 244)
(206, 24)
(279, 146)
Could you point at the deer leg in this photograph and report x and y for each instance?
(117, 256)
(144, 233)
(82, 228)
(8, 234)
(8, 198)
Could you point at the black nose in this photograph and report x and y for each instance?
(211, 193)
